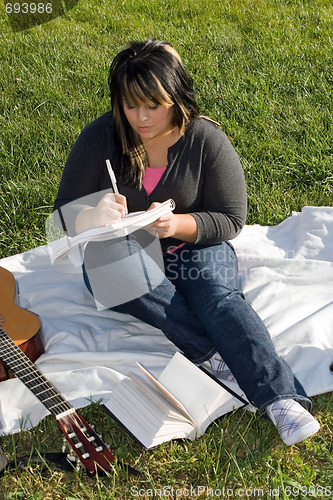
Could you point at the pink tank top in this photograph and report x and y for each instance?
(151, 178)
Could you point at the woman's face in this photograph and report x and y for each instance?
(149, 122)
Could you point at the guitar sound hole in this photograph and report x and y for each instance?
(2, 320)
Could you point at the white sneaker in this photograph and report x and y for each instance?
(293, 422)
(220, 368)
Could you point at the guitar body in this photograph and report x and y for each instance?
(22, 326)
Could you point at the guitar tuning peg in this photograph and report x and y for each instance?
(64, 444)
(72, 454)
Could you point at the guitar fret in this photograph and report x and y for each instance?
(57, 408)
(16, 357)
(49, 396)
(34, 379)
(38, 380)
(44, 395)
(41, 390)
(11, 358)
(18, 371)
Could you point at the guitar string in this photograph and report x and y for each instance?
(44, 392)
(38, 384)
(21, 365)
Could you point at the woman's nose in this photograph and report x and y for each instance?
(142, 114)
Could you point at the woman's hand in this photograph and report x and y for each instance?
(111, 208)
(180, 226)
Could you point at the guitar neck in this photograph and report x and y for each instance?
(33, 378)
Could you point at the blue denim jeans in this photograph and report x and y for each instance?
(199, 306)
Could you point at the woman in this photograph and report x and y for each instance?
(160, 148)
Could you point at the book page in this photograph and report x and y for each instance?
(154, 401)
(199, 394)
(145, 413)
(156, 384)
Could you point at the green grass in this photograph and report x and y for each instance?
(263, 69)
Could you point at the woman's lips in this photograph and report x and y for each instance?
(144, 129)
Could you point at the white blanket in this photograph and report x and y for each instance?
(287, 276)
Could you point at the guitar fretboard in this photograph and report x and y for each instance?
(31, 376)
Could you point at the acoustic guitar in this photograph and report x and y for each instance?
(20, 345)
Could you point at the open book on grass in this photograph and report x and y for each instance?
(130, 223)
(181, 403)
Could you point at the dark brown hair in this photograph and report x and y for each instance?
(149, 72)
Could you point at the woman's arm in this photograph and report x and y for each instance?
(223, 205)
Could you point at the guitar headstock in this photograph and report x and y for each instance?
(89, 447)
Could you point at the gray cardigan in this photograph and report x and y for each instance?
(203, 176)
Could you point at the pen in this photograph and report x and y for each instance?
(112, 177)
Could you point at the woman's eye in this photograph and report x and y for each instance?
(127, 106)
(130, 106)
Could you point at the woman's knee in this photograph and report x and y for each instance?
(204, 267)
